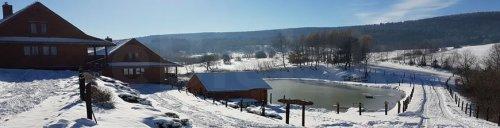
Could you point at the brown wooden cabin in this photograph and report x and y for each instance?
(229, 85)
(36, 37)
(131, 61)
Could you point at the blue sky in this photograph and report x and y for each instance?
(132, 18)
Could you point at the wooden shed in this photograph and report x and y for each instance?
(229, 85)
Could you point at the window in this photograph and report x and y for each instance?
(130, 57)
(53, 50)
(27, 50)
(139, 71)
(43, 28)
(33, 28)
(46, 50)
(125, 71)
(34, 50)
(136, 55)
(128, 71)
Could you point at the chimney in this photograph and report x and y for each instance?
(7, 10)
(108, 39)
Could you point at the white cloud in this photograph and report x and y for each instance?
(405, 10)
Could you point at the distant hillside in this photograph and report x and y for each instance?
(443, 31)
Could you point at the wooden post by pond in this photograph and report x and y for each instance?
(458, 102)
(263, 107)
(303, 115)
(287, 113)
(338, 107)
(225, 103)
(399, 107)
(385, 106)
(360, 108)
(241, 105)
(295, 101)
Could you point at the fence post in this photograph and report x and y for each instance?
(470, 110)
(359, 108)
(462, 107)
(270, 98)
(88, 99)
(287, 113)
(241, 105)
(399, 107)
(263, 113)
(225, 103)
(466, 105)
(458, 102)
(303, 115)
(477, 111)
(385, 106)
(487, 113)
(338, 107)
(81, 86)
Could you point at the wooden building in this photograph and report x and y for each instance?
(36, 37)
(131, 61)
(229, 85)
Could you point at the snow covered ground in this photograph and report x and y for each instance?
(38, 98)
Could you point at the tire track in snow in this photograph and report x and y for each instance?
(439, 117)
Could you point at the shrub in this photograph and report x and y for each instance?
(134, 99)
(100, 95)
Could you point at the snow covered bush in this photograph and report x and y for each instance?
(134, 99)
(101, 97)
(171, 114)
(167, 122)
(268, 112)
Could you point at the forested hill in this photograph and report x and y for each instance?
(452, 30)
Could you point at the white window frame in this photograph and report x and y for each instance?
(53, 50)
(34, 50)
(33, 28)
(27, 50)
(46, 50)
(43, 28)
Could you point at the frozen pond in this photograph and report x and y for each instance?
(327, 94)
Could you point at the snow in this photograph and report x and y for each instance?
(231, 81)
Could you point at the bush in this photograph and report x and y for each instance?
(100, 95)
(134, 99)
(260, 54)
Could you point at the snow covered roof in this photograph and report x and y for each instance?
(232, 81)
(51, 40)
(142, 64)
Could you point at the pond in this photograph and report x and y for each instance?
(327, 94)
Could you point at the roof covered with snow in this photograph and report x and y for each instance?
(232, 81)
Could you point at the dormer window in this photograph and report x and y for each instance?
(33, 27)
(38, 27)
(43, 28)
